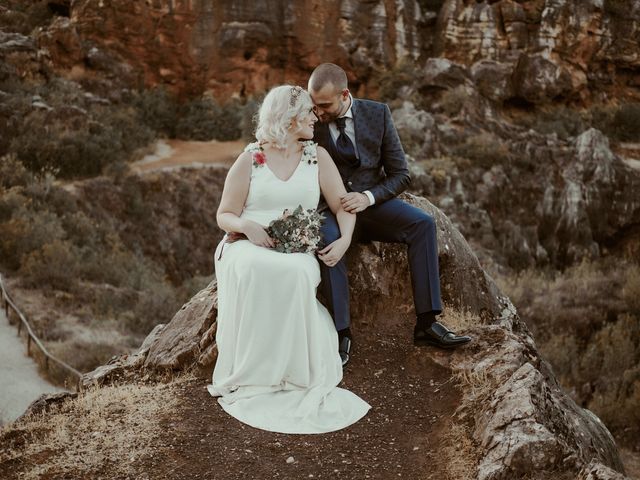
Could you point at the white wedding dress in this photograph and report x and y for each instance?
(278, 365)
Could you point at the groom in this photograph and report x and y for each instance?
(362, 140)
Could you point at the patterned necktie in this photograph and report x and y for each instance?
(344, 145)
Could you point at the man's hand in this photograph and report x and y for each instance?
(355, 202)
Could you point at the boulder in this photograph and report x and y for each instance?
(493, 79)
(597, 471)
(442, 73)
(520, 418)
(594, 200)
(188, 335)
(416, 128)
(538, 79)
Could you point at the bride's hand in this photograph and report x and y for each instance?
(257, 234)
(332, 253)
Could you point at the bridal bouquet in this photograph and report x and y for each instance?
(297, 231)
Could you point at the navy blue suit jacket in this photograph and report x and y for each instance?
(383, 166)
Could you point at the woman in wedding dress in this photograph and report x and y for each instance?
(278, 364)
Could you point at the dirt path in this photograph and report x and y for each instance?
(406, 434)
(403, 436)
(170, 154)
(19, 378)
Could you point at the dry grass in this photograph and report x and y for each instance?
(461, 453)
(110, 428)
(459, 321)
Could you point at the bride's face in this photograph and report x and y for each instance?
(303, 126)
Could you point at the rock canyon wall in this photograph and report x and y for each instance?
(542, 50)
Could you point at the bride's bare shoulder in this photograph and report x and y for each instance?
(242, 164)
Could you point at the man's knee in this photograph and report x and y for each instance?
(426, 222)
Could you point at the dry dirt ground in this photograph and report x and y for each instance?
(405, 435)
(182, 153)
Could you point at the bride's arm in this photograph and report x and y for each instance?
(333, 190)
(234, 196)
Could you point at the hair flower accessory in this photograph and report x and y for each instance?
(295, 93)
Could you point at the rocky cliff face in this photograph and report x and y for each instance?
(549, 49)
(565, 49)
(527, 197)
(229, 48)
(519, 420)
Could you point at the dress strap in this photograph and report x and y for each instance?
(309, 152)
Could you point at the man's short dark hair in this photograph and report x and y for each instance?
(328, 73)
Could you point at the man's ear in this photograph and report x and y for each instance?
(345, 94)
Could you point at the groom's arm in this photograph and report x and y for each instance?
(394, 163)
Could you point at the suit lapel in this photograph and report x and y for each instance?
(354, 111)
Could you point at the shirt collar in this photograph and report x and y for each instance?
(349, 113)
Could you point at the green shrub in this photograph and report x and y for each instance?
(26, 232)
(484, 150)
(617, 8)
(631, 289)
(53, 265)
(248, 122)
(45, 143)
(203, 119)
(10, 202)
(615, 348)
(13, 172)
(157, 109)
(390, 81)
(625, 125)
(85, 355)
(453, 100)
(564, 122)
(156, 304)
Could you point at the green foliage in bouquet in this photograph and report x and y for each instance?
(297, 231)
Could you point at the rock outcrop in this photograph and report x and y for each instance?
(551, 50)
(536, 51)
(529, 199)
(519, 418)
(226, 47)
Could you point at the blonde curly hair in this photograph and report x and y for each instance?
(280, 109)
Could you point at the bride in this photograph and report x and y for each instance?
(278, 364)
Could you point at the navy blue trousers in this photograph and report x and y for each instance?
(393, 221)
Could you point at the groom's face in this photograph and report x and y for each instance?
(330, 102)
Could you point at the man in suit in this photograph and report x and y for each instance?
(362, 140)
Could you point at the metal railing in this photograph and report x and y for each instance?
(32, 338)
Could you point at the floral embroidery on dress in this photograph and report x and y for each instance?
(259, 159)
(257, 154)
(309, 152)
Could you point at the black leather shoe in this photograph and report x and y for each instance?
(344, 348)
(437, 335)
